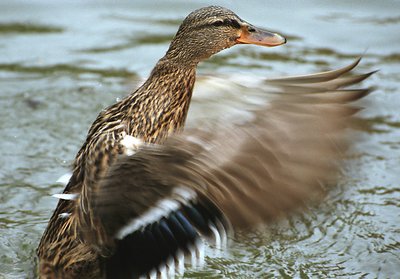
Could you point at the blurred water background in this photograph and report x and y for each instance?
(61, 62)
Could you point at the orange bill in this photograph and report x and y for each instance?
(257, 36)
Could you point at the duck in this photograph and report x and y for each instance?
(145, 194)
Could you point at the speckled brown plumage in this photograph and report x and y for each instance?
(158, 108)
(155, 110)
(78, 246)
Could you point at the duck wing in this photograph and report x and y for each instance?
(156, 206)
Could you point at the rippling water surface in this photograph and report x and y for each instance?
(60, 64)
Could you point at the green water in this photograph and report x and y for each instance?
(60, 64)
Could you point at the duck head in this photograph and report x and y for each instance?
(209, 30)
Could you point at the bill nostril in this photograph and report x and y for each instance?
(251, 29)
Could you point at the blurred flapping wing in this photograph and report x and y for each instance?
(224, 174)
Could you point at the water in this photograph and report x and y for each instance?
(60, 64)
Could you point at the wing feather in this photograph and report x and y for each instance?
(286, 156)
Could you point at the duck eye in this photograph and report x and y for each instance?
(233, 23)
(217, 23)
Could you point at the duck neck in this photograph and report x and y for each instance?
(161, 104)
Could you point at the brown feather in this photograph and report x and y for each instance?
(254, 172)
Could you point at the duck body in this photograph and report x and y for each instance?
(156, 109)
(144, 195)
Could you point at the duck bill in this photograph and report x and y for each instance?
(257, 36)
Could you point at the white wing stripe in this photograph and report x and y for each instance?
(162, 209)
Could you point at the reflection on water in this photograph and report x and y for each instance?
(61, 64)
(15, 28)
(65, 69)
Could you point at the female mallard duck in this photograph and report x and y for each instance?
(143, 197)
